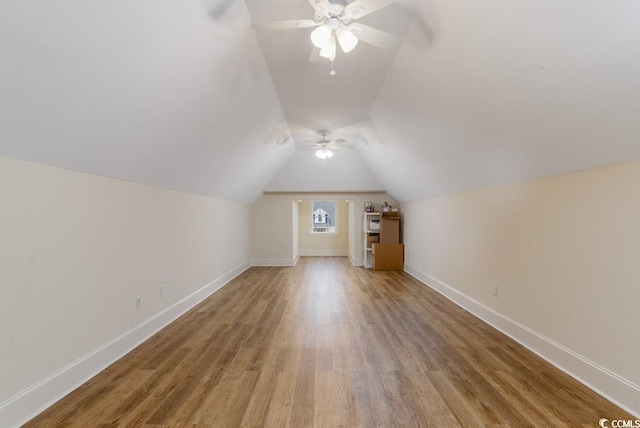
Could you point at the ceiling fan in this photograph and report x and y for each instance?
(333, 21)
(323, 146)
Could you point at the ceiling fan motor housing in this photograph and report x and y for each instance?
(335, 10)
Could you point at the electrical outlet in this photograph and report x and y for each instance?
(138, 302)
(162, 291)
(494, 291)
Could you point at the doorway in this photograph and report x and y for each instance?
(325, 227)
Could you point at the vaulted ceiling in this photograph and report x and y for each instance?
(185, 95)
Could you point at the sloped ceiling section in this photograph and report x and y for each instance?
(485, 93)
(344, 172)
(173, 94)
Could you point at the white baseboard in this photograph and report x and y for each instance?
(356, 262)
(274, 262)
(29, 403)
(611, 386)
(324, 253)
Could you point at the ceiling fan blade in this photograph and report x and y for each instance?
(338, 141)
(315, 55)
(360, 8)
(285, 25)
(374, 36)
(321, 6)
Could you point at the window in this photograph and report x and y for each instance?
(324, 216)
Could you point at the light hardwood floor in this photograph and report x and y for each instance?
(325, 344)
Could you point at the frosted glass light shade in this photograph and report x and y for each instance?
(329, 49)
(321, 36)
(348, 41)
(324, 153)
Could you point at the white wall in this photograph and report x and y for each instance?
(295, 219)
(351, 245)
(271, 225)
(75, 251)
(272, 236)
(313, 244)
(564, 252)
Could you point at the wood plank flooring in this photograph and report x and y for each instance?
(325, 344)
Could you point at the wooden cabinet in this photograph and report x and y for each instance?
(388, 256)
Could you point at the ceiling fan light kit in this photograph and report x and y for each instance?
(329, 50)
(348, 41)
(321, 36)
(325, 36)
(324, 154)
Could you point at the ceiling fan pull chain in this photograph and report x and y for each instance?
(332, 72)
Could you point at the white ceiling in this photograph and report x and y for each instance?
(185, 95)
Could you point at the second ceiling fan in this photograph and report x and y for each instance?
(334, 27)
(323, 147)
